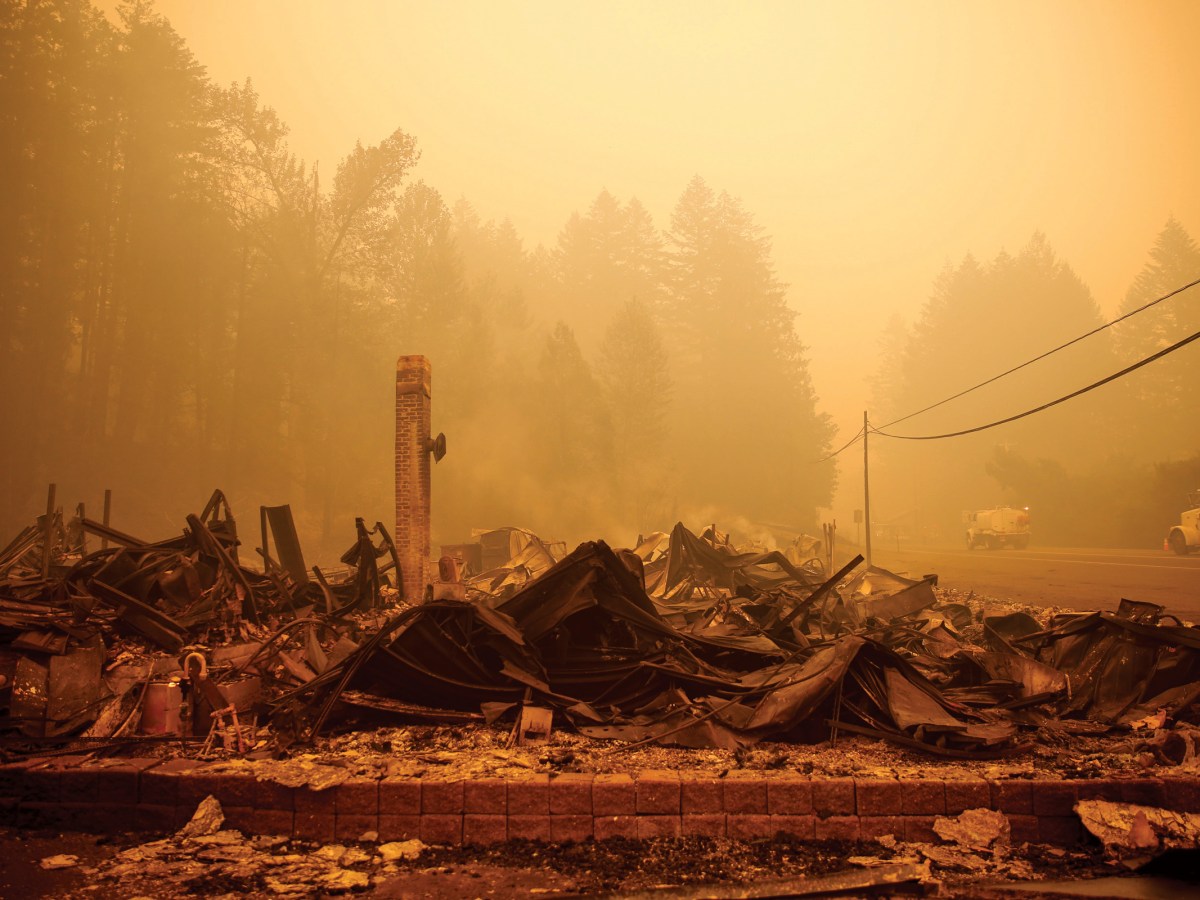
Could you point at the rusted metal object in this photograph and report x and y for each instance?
(161, 711)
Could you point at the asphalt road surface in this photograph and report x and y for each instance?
(1059, 576)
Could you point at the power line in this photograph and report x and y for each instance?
(1030, 362)
(1029, 412)
(857, 437)
(846, 446)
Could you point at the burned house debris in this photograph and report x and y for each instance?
(699, 645)
(105, 643)
(682, 640)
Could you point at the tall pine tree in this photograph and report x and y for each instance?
(746, 412)
(634, 374)
(1162, 392)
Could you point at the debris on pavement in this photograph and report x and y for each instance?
(1131, 829)
(206, 820)
(203, 858)
(60, 861)
(394, 850)
(978, 830)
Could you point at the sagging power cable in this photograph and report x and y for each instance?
(1029, 412)
(846, 446)
(1132, 312)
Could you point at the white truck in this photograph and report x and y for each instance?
(1000, 527)
(1184, 538)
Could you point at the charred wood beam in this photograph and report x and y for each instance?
(18, 547)
(820, 592)
(141, 617)
(211, 545)
(350, 666)
(108, 534)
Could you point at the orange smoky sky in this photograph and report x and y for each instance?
(874, 141)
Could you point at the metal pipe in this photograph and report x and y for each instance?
(107, 512)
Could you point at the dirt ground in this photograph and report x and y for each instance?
(517, 868)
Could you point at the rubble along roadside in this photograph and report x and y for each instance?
(205, 858)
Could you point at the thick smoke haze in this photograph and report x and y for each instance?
(662, 257)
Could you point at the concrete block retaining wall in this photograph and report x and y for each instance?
(151, 795)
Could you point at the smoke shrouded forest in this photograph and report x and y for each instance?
(1111, 467)
(185, 304)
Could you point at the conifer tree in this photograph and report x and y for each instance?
(980, 320)
(634, 375)
(745, 405)
(1159, 392)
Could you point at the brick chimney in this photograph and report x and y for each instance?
(412, 474)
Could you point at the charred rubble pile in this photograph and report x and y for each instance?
(686, 640)
(683, 640)
(116, 643)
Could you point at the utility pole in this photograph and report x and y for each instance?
(107, 512)
(866, 488)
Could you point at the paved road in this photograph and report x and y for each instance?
(1060, 576)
